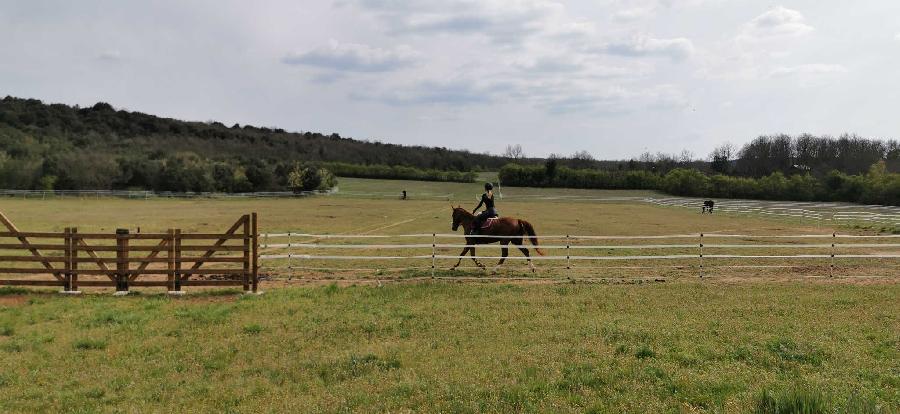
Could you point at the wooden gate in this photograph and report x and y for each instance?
(124, 259)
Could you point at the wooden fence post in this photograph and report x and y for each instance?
(246, 273)
(74, 259)
(121, 262)
(177, 250)
(170, 262)
(67, 236)
(255, 257)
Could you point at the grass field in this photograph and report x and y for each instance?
(727, 343)
(456, 348)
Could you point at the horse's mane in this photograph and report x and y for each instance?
(465, 212)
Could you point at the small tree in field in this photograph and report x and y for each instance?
(310, 178)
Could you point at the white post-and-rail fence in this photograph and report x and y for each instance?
(295, 253)
(813, 212)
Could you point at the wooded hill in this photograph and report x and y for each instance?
(67, 147)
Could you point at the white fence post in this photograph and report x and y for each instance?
(831, 269)
(568, 260)
(290, 249)
(701, 255)
(433, 246)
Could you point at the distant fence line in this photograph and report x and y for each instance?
(279, 251)
(812, 211)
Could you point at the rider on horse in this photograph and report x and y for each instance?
(487, 200)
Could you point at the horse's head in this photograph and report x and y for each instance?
(458, 214)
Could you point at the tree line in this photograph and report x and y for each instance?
(875, 186)
(817, 155)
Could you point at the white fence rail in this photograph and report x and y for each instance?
(297, 251)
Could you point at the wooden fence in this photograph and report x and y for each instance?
(123, 259)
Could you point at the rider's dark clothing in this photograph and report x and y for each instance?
(489, 211)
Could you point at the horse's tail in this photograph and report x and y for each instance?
(529, 230)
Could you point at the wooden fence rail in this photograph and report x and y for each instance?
(172, 259)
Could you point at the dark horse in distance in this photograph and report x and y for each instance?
(502, 229)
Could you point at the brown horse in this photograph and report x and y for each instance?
(505, 226)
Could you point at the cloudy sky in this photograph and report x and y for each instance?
(613, 77)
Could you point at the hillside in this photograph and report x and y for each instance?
(67, 147)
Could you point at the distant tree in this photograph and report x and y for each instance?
(685, 157)
(582, 159)
(223, 177)
(48, 182)
(514, 152)
(304, 179)
(550, 169)
(310, 178)
(259, 176)
(720, 158)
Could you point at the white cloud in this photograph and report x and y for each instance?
(678, 48)
(351, 57)
(110, 56)
(551, 64)
(630, 15)
(505, 22)
(777, 22)
(454, 92)
(809, 69)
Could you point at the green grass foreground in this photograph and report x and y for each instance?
(677, 347)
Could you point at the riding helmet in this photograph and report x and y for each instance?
(488, 186)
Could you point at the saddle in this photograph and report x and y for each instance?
(489, 222)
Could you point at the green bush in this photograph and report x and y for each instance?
(310, 178)
(686, 182)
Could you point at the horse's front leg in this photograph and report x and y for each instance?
(466, 250)
(476, 260)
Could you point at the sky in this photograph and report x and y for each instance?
(613, 77)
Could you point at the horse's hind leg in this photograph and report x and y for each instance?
(525, 252)
(505, 252)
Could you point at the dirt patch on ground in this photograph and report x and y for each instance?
(13, 300)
